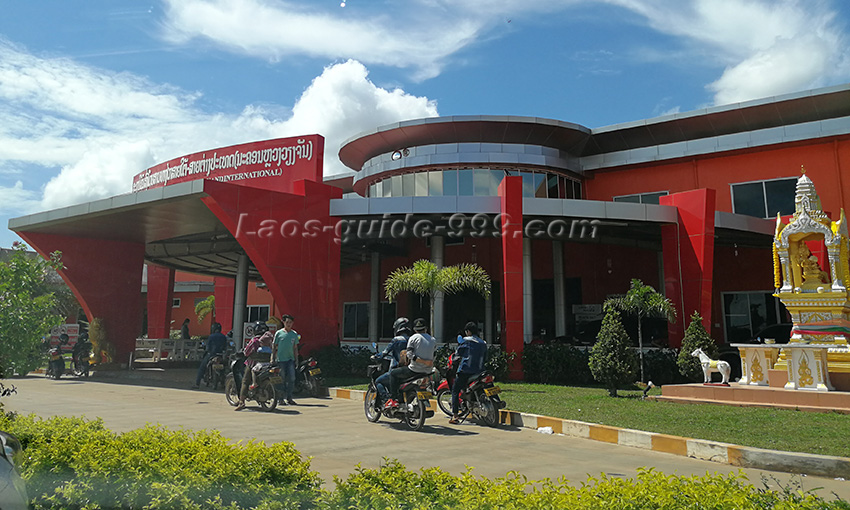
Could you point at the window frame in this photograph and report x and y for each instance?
(763, 193)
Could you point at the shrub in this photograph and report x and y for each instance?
(695, 337)
(394, 487)
(74, 463)
(612, 361)
(661, 366)
(342, 361)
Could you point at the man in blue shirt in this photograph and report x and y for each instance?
(216, 343)
(471, 350)
(401, 330)
(285, 353)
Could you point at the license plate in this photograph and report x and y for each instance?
(495, 390)
(316, 371)
(423, 395)
(218, 366)
(276, 379)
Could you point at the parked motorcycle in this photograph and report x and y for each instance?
(55, 363)
(214, 373)
(480, 398)
(81, 358)
(267, 378)
(415, 403)
(308, 379)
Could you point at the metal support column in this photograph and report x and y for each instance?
(527, 305)
(374, 297)
(240, 299)
(438, 258)
(560, 289)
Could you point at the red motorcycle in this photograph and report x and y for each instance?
(480, 398)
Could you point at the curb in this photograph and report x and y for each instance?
(724, 453)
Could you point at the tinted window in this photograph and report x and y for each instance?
(464, 182)
(749, 199)
(780, 196)
(449, 182)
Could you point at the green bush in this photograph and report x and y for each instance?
(394, 487)
(661, 366)
(338, 361)
(74, 463)
(556, 363)
(612, 362)
(695, 337)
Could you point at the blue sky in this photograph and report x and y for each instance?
(94, 91)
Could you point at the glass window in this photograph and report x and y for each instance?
(481, 181)
(386, 320)
(635, 199)
(449, 182)
(257, 313)
(387, 188)
(373, 189)
(435, 183)
(464, 182)
(408, 182)
(641, 198)
(527, 184)
(396, 180)
(749, 199)
(565, 188)
(540, 185)
(421, 184)
(496, 177)
(577, 189)
(780, 196)
(745, 314)
(355, 320)
(552, 185)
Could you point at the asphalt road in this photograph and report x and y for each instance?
(337, 437)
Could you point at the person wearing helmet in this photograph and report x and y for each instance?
(402, 332)
(261, 341)
(420, 354)
(215, 345)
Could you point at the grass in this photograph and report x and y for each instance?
(774, 429)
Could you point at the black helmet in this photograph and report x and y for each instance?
(216, 328)
(401, 324)
(260, 327)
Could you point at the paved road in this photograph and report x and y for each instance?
(337, 436)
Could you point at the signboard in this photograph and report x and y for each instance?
(274, 164)
(587, 313)
(72, 330)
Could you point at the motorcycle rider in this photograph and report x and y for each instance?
(402, 332)
(420, 353)
(216, 343)
(471, 350)
(262, 338)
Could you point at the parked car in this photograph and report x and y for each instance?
(13, 491)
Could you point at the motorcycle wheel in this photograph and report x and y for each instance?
(370, 405)
(486, 412)
(444, 401)
(269, 403)
(231, 392)
(415, 416)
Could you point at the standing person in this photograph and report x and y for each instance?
(184, 330)
(262, 339)
(285, 352)
(420, 353)
(471, 350)
(401, 330)
(216, 344)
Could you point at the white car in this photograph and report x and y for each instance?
(13, 491)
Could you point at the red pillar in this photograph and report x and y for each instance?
(160, 298)
(510, 191)
(106, 278)
(224, 288)
(688, 251)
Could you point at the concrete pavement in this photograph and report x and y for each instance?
(336, 435)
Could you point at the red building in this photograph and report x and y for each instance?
(560, 215)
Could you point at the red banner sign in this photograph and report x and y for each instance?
(274, 164)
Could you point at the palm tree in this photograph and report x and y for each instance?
(204, 308)
(643, 301)
(425, 278)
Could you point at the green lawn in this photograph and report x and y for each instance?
(775, 429)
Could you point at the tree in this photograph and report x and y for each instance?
(27, 309)
(425, 278)
(695, 337)
(612, 360)
(205, 307)
(643, 301)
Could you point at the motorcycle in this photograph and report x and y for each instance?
(267, 378)
(308, 380)
(415, 403)
(81, 358)
(480, 398)
(214, 373)
(56, 362)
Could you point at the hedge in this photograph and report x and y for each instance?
(71, 463)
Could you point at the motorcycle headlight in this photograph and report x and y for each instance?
(12, 449)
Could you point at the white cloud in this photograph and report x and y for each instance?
(88, 144)
(767, 47)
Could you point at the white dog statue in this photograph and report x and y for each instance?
(712, 365)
